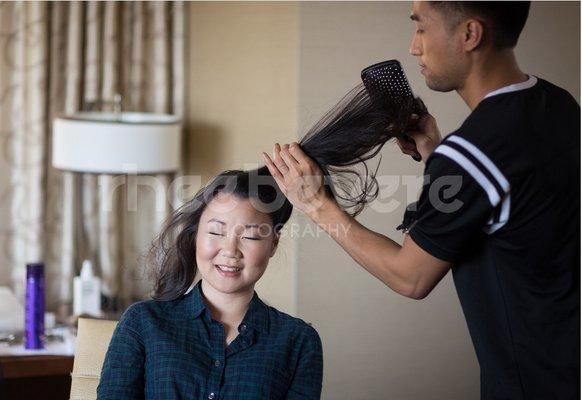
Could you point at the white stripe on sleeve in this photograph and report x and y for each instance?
(483, 159)
(469, 166)
(497, 175)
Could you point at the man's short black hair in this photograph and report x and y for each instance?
(504, 19)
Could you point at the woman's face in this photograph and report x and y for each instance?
(233, 244)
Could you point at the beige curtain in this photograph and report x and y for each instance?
(55, 58)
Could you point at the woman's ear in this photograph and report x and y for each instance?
(275, 244)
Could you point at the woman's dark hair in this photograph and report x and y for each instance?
(505, 19)
(346, 137)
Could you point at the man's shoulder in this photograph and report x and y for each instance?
(490, 122)
(493, 131)
(471, 153)
(511, 127)
(556, 90)
(513, 110)
(475, 137)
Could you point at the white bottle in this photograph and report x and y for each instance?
(87, 292)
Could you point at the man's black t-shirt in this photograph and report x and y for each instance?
(503, 205)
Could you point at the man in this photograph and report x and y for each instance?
(513, 244)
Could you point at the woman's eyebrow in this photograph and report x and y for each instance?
(224, 223)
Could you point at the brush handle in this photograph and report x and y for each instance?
(420, 111)
(416, 157)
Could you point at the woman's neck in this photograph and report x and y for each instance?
(227, 308)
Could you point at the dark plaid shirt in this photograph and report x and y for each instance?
(174, 350)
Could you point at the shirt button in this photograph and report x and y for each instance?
(217, 363)
(211, 396)
(243, 327)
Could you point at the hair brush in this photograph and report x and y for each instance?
(387, 79)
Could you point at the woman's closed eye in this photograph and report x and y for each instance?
(244, 237)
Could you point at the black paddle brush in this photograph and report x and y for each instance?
(388, 80)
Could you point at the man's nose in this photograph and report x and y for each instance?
(414, 46)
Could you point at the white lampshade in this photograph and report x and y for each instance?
(108, 143)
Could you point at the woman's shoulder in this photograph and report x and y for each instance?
(140, 308)
(146, 311)
(285, 322)
(302, 334)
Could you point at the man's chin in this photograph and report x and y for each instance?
(438, 85)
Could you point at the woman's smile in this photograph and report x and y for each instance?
(228, 272)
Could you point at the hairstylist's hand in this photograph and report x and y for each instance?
(298, 176)
(426, 138)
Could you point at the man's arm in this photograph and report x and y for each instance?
(407, 269)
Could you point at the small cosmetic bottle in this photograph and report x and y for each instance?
(87, 292)
(34, 315)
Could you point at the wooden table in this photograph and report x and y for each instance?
(36, 377)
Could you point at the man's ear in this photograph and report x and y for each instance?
(474, 32)
(276, 238)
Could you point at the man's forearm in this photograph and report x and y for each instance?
(407, 269)
(377, 253)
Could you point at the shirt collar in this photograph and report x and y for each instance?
(196, 302)
(256, 317)
(531, 81)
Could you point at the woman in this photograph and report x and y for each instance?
(218, 340)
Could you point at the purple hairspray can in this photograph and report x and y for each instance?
(34, 320)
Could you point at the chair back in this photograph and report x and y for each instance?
(93, 337)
